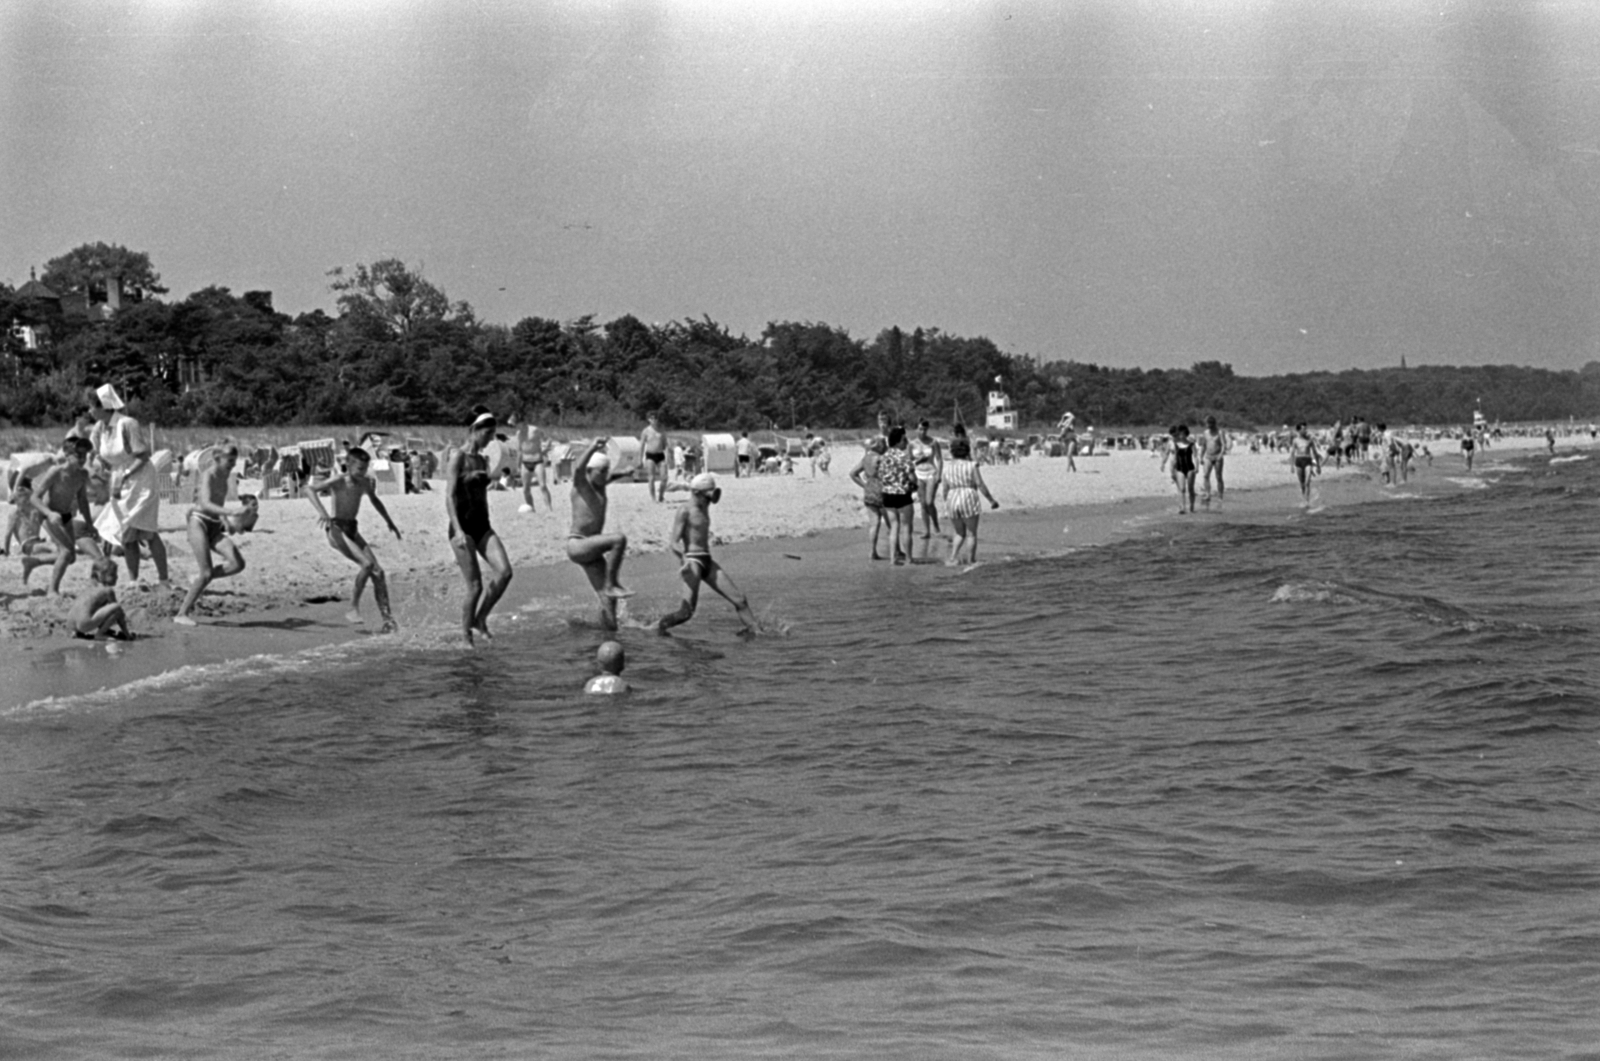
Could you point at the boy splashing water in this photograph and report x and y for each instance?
(344, 534)
(691, 541)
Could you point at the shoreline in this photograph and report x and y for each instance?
(293, 593)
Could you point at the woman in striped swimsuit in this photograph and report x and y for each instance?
(963, 484)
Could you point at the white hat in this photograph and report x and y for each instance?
(703, 483)
(108, 397)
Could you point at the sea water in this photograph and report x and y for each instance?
(1322, 785)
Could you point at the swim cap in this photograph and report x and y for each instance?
(600, 461)
(703, 483)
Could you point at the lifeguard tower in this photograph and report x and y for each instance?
(1001, 417)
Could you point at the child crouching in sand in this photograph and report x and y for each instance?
(96, 614)
(344, 534)
(691, 542)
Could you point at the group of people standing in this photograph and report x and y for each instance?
(899, 474)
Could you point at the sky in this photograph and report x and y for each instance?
(1280, 186)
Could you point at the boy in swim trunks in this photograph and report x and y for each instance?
(344, 534)
(61, 497)
(588, 546)
(26, 525)
(654, 445)
(208, 529)
(691, 542)
(97, 614)
(534, 466)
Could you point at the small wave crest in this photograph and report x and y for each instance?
(1311, 593)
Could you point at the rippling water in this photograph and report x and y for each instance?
(1322, 787)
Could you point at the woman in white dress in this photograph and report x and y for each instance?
(133, 509)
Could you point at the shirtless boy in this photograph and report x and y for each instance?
(1213, 447)
(26, 526)
(691, 542)
(534, 466)
(344, 534)
(598, 553)
(97, 614)
(61, 497)
(208, 529)
(654, 445)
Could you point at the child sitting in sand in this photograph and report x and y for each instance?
(611, 659)
(96, 614)
(344, 534)
(691, 542)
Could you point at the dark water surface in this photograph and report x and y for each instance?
(1315, 787)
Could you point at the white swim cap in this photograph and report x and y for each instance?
(703, 483)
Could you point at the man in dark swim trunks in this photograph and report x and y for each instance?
(654, 445)
(588, 546)
(466, 502)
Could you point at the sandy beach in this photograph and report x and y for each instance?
(290, 566)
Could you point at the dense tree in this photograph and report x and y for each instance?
(87, 268)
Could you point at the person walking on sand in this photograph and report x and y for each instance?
(653, 444)
(466, 503)
(208, 529)
(744, 450)
(588, 546)
(61, 497)
(927, 461)
(96, 614)
(131, 515)
(1180, 455)
(1213, 448)
(691, 543)
(963, 483)
(1467, 446)
(344, 534)
(1305, 458)
(535, 465)
(865, 475)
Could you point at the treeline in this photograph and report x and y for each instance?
(400, 352)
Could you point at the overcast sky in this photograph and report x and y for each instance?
(1281, 186)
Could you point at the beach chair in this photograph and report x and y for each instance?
(719, 454)
(319, 453)
(388, 478)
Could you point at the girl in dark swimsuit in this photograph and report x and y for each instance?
(1181, 456)
(466, 502)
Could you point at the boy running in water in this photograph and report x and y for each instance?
(61, 497)
(599, 554)
(691, 542)
(344, 534)
(208, 529)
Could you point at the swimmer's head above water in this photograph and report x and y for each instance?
(611, 657)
